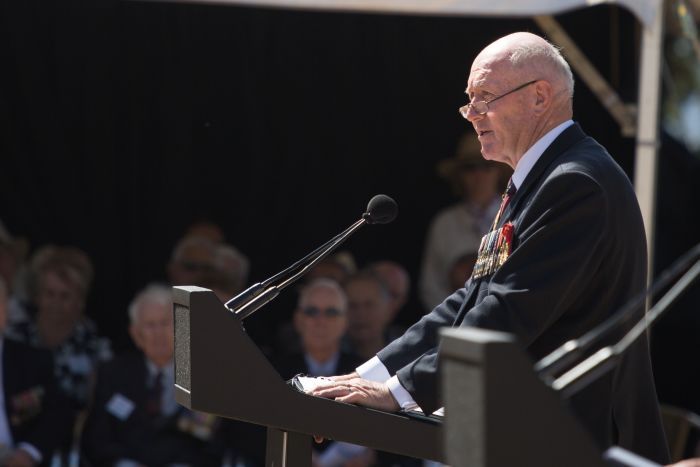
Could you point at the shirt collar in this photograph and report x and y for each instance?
(168, 371)
(327, 368)
(532, 155)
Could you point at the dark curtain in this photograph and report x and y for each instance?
(122, 122)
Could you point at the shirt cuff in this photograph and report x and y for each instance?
(33, 452)
(402, 396)
(373, 370)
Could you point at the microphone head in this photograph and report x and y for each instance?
(381, 209)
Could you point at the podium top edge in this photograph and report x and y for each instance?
(181, 293)
(467, 343)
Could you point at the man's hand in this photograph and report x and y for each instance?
(352, 375)
(358, 391)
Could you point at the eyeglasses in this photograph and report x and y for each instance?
(313, 311)
(481, 107)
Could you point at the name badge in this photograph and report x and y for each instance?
(493, 251)
(120, 406)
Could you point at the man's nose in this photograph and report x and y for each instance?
(473, 115)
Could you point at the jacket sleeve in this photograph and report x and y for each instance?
(422, 336)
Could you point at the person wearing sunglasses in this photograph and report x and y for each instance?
(566, 250)
(321, 320)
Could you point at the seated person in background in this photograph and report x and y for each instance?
(134, 418)
(13, 252)
(321, 320)
(60, 280)
(229, 273)
(338, 266)
(477, 182)
(369, 313)
(461, 269)
(31, 414)
(191, 261)
(397, 281)
(207, 229)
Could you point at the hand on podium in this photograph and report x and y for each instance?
(352, 389)
(352, 375)
(358, 391)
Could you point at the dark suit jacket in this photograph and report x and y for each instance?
(135, 434)
(579, 254)
(34, 411)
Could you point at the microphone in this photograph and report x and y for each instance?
(587, 371)
(381, 209)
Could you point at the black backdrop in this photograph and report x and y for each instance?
(122, 122)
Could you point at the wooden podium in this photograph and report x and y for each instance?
(220, 370)
(504, 414)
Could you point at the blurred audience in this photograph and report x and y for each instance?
(31, 415)
(134, 419)
(321, 320)
(397, 281)
(461, 269)
(201, 261)
(13, 253)
(338, 266)
(369, 313)
(60, 279)
(458, 229)
(229, 273)
(192, 261)
(206, 229)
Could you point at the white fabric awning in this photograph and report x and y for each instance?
(644, 10)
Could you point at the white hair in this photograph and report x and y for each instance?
(153, 293)
(323, 283)
(550, 54)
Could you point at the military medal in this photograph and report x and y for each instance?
(496, 245)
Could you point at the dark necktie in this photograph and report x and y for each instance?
(154, 395)
(507, 195)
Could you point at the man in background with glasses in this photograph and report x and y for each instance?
(565, 251)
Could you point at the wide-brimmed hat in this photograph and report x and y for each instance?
(467, 156)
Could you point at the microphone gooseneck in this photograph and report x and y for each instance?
(381, 209)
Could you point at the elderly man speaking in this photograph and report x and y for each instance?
(566, 250)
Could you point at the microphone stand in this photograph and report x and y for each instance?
(250, 300)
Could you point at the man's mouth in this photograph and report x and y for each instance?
(483, 132)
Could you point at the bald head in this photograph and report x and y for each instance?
(532, 56)
(527, 87)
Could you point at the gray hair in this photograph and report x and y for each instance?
(550, 54)
(323, 283)
(153, 293)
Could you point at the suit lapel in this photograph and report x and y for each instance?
(564, 141)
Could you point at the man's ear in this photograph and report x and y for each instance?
(543, 96)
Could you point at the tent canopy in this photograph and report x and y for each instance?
(644, 10)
